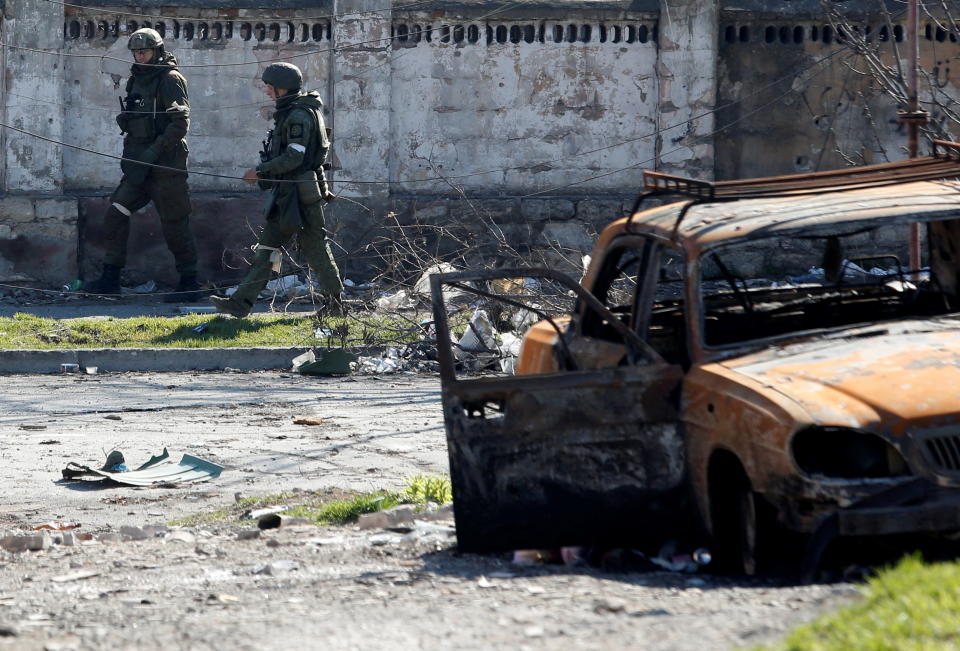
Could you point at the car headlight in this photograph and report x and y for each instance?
(846, 454)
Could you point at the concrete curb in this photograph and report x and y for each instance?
(155, 359)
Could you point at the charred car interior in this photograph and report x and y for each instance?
(761, 357)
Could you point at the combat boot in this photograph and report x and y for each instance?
(108, 282)
(188, 291)
(227, 305)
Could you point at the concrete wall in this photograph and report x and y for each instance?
(527, 123)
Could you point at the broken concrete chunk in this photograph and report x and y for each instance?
(397, 516)
(248, 534)
(32, 543)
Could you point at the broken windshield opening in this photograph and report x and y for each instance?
(822, 279)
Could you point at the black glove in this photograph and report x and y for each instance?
(122, 121)
(137, 174)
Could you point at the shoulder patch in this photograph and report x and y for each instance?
(296, 130)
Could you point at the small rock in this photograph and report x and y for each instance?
(248, 534)
(601, 606)
(33, 543)
(134, 533)
(277, 567)
(181, 536)
(273, 542)
(395, 517)
(109, 538)
(113, 417)
(533, 631)
(8, 630)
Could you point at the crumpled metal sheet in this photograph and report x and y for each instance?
(158, 470)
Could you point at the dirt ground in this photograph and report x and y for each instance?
(211, 587)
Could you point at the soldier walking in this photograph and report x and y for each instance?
(294, 151)
(154, 119)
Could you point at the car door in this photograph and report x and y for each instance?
(590, 454)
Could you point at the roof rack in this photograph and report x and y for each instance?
(944, 163)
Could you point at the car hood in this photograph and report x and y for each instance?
(887, 381)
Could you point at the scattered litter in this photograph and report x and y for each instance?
(144, 288)
(484, 583)
(331, 361)
(224, 598)
(396, 302)
(290, 286)
(90, 370)
(159, 470)
(75, 576)
(309, 421)
(669, 560)
(200, 328)
(259, 513)
(33, 427)
(322, 333)
(56, 525)
(69, 368)
(199, 309)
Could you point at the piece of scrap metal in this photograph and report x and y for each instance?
(158, 470)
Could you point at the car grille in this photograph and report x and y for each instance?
(944, 451)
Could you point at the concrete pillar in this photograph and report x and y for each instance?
(687, 70)
(33, 165)
(361, 74)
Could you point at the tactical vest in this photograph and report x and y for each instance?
(146, 119)
(316, 153)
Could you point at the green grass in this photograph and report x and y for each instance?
(26, 331)
(331, 507)
(910, 606)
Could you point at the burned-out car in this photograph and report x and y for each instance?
(759, 355)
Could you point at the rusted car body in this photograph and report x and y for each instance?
(710, 378)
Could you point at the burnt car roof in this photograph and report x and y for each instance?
(706, 225)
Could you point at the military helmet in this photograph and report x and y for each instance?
(144, 39)
(283, 75)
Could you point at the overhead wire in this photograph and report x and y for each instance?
(433, 179)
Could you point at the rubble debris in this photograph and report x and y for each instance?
(277, 567)
(248, 534)
(181, 536)
(91, 370)
(29, 543)
(401, 300)
(159, 470)
(32, 427)
(309, 421)
(69, 368)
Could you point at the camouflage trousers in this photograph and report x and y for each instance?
(170, 197)
(312, 240)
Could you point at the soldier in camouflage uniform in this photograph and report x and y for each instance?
(295, 151)
(154, 119)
